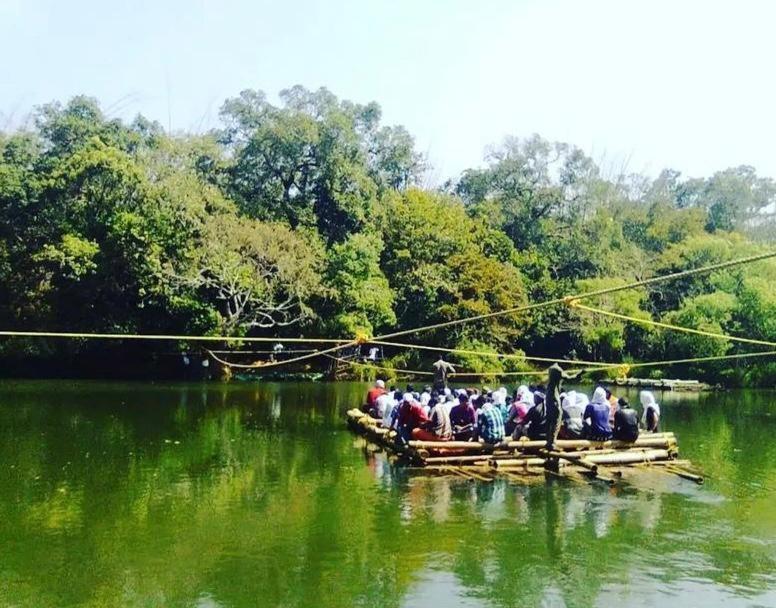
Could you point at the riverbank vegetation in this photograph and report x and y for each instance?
(311, 217)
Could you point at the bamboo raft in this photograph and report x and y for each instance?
(522, 460)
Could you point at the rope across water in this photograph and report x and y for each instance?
(340, 344)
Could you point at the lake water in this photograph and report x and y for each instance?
(213, 495)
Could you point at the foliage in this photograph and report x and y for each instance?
(307, 215)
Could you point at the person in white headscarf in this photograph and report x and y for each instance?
(500, 402)
(573, 407)
(650, 416)
(523, 402)
(596, 417)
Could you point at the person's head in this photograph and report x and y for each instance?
(480, 401)
(599, 395)
(623, 402)
(410, 389)
(463, 398)
(448, 391)
(555, 372)
(408, 398)
(646, 398)
(568, 399)
(608, 393)
(538, 397)
(380, 384)
(393, 389)
(427, 389)
(397, 395)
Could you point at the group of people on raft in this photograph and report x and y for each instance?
(492, 416)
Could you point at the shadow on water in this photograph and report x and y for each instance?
(256, 495)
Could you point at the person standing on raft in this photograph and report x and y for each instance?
(441, 369)
(552, 402)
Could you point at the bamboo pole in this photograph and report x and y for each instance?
(581, 461)
(685, 474)
(645, 440)
(629, 457)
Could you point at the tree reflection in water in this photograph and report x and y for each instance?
(244, 495)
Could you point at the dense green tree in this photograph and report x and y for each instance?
(314, 161)
(307, 213)
(439, 268)
(360, 296)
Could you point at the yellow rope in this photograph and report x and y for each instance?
(55, 334)
(340, 344)
(461, 351)
(591, 294)
(768, 353)
(263, 365)
(697, 332)
(494, 374)
(389, 369)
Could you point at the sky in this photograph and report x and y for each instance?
(638, 85)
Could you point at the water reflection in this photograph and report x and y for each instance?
(244, 495)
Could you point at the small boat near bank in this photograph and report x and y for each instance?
(523, 460)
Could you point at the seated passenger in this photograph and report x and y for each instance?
(438, 428)
(374, 392)
(572, 408)
(613, 405)
(500, 401)
(650, 417)
(626, 422)
(382, 403)
(535, 423)
(490, 424)
(392, 412)
(410, 416)
(596, 417)
(517, 412)
(462, 418)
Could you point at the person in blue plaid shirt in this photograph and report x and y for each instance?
(490, 424)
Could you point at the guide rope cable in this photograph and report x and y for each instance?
(340, 344)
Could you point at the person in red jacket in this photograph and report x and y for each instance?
(371, 397)
(411, 416)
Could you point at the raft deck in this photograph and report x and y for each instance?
(524, 459)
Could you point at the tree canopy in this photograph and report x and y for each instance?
(309, 216)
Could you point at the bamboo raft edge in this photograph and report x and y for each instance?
(579, 460)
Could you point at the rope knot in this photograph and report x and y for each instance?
(623, 370)
(571, 301)
(361, 337)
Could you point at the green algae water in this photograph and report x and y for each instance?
(209, 495)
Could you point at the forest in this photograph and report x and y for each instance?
(310, 217)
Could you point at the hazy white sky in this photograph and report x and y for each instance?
(649, 84)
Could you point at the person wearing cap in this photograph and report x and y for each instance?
(626, 421)
(374, 392)
(410, 417)
(462, 417)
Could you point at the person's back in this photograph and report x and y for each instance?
(626, 422)
(651, 416)
(536, 422)
(382, 403)
(462, 419)
(490, 424)
(376, 391)
(440, 421)
(573, 409)
(411, 416)
(598, 428)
